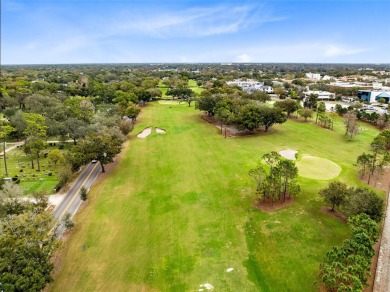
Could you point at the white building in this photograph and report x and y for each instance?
(322, 95)
(316, 76)
(251, 85)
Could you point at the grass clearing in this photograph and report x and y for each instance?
(32, 180)
(177, 212)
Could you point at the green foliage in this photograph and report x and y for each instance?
(102, 146)
(67, 221)
(207, 102)
(306, 113)
(278, 181)
(335, 194)
(83, 193)
(361, 200)
(346, 268)
(288, 105)
(26, 247)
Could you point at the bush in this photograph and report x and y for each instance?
(361, 200)
(83, 194)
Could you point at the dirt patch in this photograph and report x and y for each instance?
(334, 214)
(268, 206)
(379, 182)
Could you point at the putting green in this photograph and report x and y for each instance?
(318, 168)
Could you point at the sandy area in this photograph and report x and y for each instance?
(160, 131)
(145, 133)
(288, 154)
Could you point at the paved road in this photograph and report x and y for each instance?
(72, 201)
(382, 276)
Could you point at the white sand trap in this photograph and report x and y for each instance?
(288, 154)
(145, 133)
(228, 270)
(207, 286)
(160, 131)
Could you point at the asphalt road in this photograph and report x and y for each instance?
(72, 201)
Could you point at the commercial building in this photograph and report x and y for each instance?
(373, 96)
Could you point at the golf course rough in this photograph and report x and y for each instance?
(318, 168)
(176, 211)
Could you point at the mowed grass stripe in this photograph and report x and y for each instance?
(176, 212)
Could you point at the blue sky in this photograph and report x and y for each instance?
(129, 31)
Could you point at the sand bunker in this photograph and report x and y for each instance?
(145, 133)
(160, 131)
(288, 154)
(318, 168)
(206, 286)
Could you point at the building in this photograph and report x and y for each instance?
(373, 96)
(322, 95)
(251, 85)
(316, 76)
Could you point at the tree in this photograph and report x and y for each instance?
(67, 221)
(183, 93)
(75, 128)
(335, 194)
(251, 117)
(311, 101)
(280, 91)
(26, 248)
(258, 174)
(80, 108)
(132, 111)
(257, 95)
(271, 116)
(83, 193)
(362, 200)
(224, 115)
(276, 179)
(56, 156)
(351, 125)
(288, 172)
(19, 123)
(9, 200)
(36, 133)
(5, 130)
(207, 102)
(363, 161)
(306, 113)
(346, 268)
(288, 105)
(102, 146)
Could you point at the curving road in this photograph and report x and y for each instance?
(71, 202)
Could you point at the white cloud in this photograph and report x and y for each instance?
(194, 22)
(244, 58)
(335, 51)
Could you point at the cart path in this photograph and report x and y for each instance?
(382, 276)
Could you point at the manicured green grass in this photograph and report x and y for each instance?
(318, 168)
(31, 180)
(192, 83)
(177, 211)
